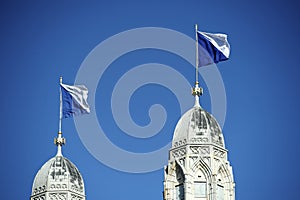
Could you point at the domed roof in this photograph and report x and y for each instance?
(58, 173)
(197, 126)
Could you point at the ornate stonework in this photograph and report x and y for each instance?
(40, 197)
(219, 153)
(58, 196)
(199, 140)
(58, 179)
(203, 150)
(179, 152)
(179, 143)
(198, 168)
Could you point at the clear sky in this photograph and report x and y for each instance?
(43, 40)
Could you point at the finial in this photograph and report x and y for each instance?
(59, 141)
(197, 92)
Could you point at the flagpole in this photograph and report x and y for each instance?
(60, 107)
(197, 54)
(59, 141)
(197, 91)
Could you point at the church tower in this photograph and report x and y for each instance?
(198, 168)
(58, 178)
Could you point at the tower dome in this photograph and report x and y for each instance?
(197, 126)
(58, 174)
(58, 178)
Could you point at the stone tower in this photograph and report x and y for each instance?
(198, 168)
(58, 179)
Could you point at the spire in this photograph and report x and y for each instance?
(59, 141)
(197, 91)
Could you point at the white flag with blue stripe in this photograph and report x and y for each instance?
(74, 100)
(214, 48)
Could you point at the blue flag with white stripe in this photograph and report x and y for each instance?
(213, 48)
(74, 100)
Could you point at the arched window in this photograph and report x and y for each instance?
(220, 187)
(179, 186)
(179, 192)
(220, 192)
(200, 189)
(200, 186)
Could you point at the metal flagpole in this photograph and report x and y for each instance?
(197, 91)
(59, 141)
(197, 54)
(60, 107)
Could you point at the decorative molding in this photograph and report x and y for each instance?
(76, 189)
(58, 186)
(192, 161)
(219, 153)
(179, 143)
(217, 139)
(182, 161)
(76, 197)
(58, 196)
(207, 160)
(179, 152)
(199, 140)
(200, 150)
(41, 197)
(39, 189)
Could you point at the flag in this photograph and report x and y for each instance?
(74, 100)
(214, 48)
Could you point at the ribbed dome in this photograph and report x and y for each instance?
(58, 173)
(197, 126)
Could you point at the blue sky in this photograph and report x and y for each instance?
(43, 40)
